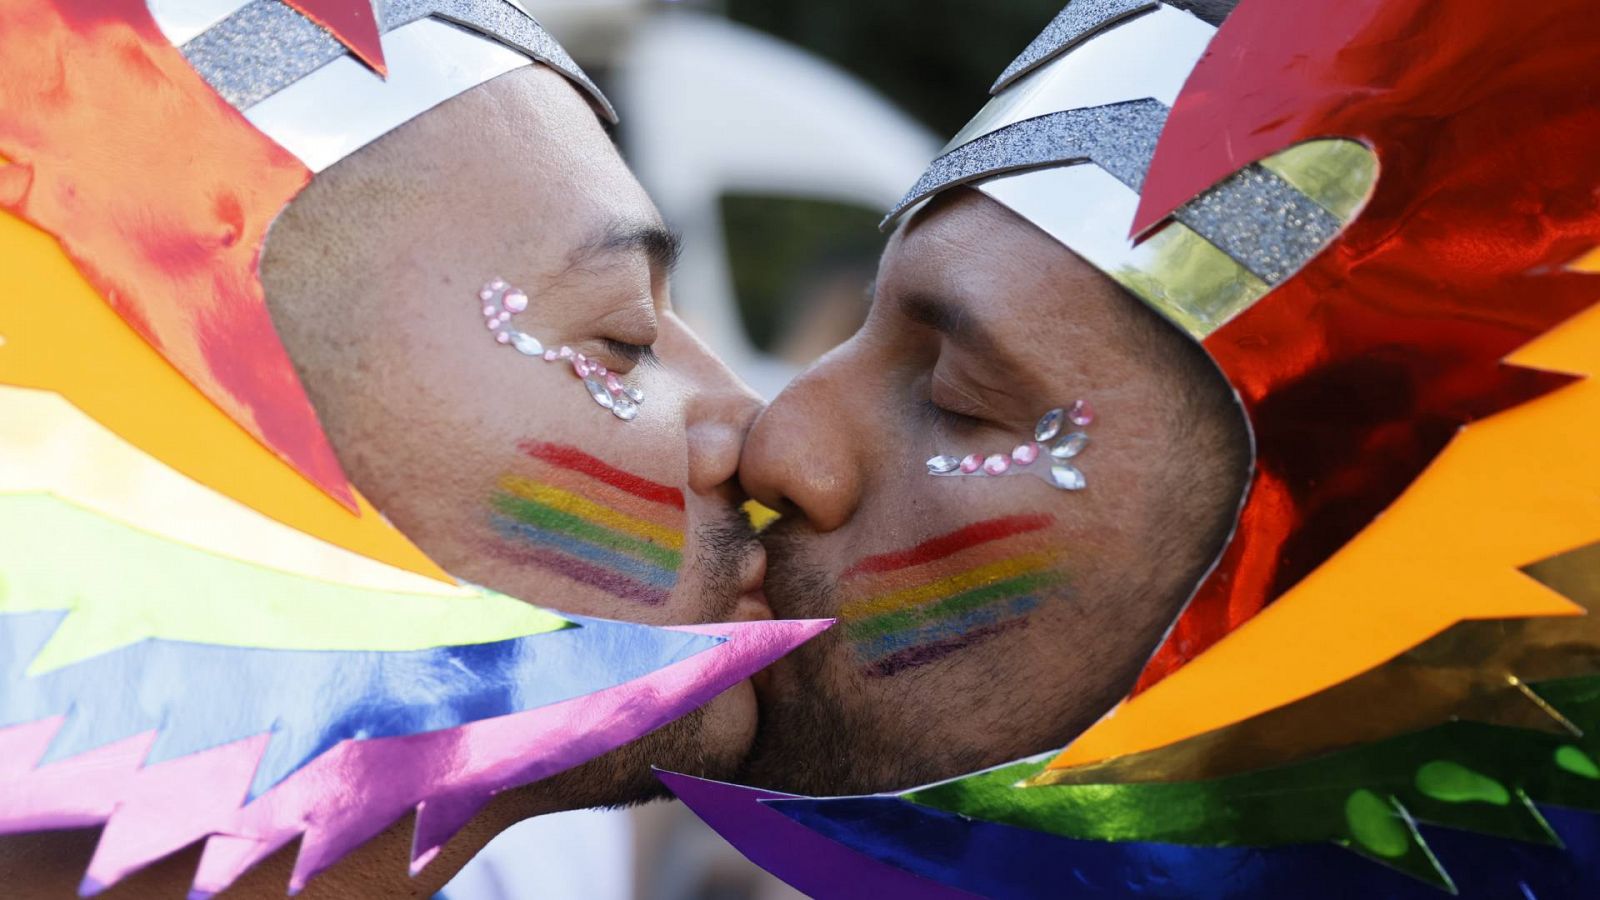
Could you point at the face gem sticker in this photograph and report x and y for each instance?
(916, 606)
(1051, 435)
(500, 301)
(590, 522)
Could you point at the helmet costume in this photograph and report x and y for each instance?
(1379, 221)
(208, 633)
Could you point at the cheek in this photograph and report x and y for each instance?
(583, 508)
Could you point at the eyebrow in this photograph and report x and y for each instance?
(659, 245)
(951, 320)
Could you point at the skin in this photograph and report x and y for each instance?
(372, 275)
(980, 323)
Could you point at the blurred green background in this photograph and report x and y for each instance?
(801, 267)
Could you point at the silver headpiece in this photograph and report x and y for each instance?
(300, 83)
(1070, 133)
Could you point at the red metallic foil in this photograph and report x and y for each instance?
(1355, 373)
(353, 22)
(161, 194)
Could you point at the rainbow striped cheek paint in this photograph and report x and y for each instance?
(917, 606)
(589, 523)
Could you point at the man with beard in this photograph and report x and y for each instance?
(958, 586)
(1378, 225)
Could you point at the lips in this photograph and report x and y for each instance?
(752, 605)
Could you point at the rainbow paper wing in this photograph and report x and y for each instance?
(175, 692)
(358, 787)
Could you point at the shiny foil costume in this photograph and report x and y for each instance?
(1380, 218)
(206, 633)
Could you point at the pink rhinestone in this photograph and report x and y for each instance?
(565, 353)
(1025, 454)
(550, 356)
(497, 285)
(1081, 413)
(491, 324)
(503, 337)
(996, 464)
(602, 371)
(490, 312)
(516, 301)
(613, 383)
(582, 367)
(485, 295)
(971, 463)
(580, 357)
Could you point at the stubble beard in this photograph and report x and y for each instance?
(623, 777)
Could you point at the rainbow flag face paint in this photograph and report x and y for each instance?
(590, 522)
(919, 605)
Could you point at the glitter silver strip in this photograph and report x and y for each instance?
(1120, 138)
(1262, 221)
(1081, 19)
(259, 50)
(267, 45)
(182, 20)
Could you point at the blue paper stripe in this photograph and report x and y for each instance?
(203, 696)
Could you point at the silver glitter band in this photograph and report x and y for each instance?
(1081, 19)
(267, 45)
(1119, 138)
(1262, 221)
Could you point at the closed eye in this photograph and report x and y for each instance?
(634, 354)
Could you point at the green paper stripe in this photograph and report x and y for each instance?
(1471, 776)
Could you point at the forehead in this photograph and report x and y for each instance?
(523, 150)
(968, 250)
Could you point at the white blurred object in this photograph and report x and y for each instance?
(583, 855)
(711, 108)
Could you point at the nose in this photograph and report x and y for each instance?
(717, 416)
(807, 452)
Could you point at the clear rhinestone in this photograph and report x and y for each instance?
(1049, 426)
(623, 407)
(597, 390)
(1070, 446)
(633, 393)
(943, 465)
(1066, 477)
(526, 344)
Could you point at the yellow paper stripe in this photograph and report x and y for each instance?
(997, 571)
(572, 504)
(124, 585)
(49, 446)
